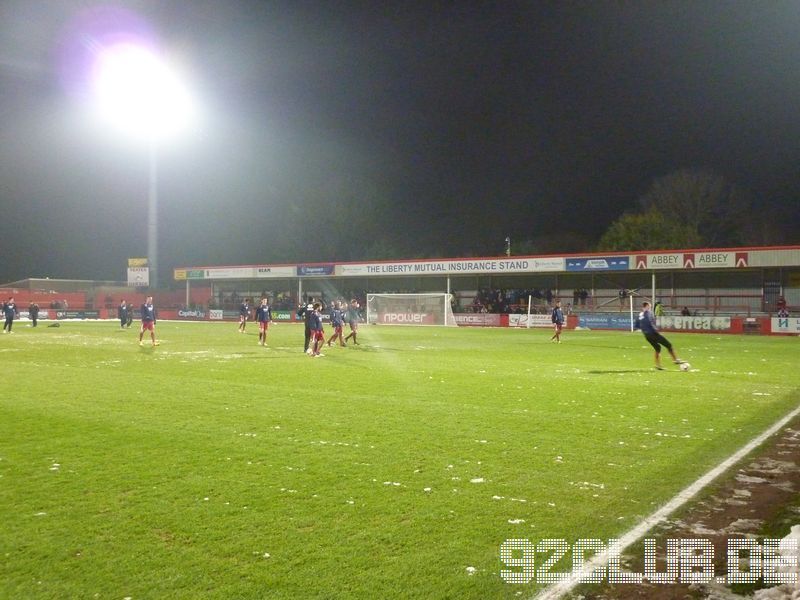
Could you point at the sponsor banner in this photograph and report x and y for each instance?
(785, 325)
(77, 314)
(185, 313)
(264, 272)
(139, 276)
(184, 274)
(605, 321)
(679, 323)
(259, 272)
(535, 320)
(599, 263)
(230, 273)
(546, 264)
(283, 315)
(308, 270)
(658, 261)
(215, 314)
(137, 262)
(477, 319)
(406, 318)
(453, 267)
(705, 260)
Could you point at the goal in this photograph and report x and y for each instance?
(410, 309)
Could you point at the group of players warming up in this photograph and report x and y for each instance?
(314, 334)
(311, 313)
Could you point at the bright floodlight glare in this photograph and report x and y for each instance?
(139, 94)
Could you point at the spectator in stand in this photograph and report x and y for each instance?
(658, 310)
(781, 304)
(623, 293)
(576, 294)
(548, 295)
(685, 312)
(33, 313)
(783, 313)
(584, 296)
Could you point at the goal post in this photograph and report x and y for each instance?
(410, 309)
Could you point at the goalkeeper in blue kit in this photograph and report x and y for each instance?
(646, 323)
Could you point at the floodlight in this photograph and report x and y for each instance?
(137, 92)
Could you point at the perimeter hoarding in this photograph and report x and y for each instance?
(785, 325)
(605, 321)
(517, 320)
(477, 319)
(704, 323)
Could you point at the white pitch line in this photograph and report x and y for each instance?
(634, 535)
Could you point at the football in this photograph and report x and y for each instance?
(685, 366)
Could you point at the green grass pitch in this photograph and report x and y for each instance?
(210, 467)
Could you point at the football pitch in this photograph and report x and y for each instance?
(210, 467)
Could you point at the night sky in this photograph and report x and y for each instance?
(361, 130)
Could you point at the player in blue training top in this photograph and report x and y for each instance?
(264, 318)
(9, 312)
(352, 320)
(557, 317)
(337, 322)
(244, 313)
(647, 324)
(148, 320)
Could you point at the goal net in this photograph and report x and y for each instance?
(410, 309)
